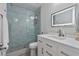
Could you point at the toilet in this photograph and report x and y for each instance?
(33, 48)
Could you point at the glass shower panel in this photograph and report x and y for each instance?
(21, 27)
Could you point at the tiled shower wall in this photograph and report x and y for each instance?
(21, 27)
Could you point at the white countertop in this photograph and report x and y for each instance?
(68, 41)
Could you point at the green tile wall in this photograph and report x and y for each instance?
(21, 27)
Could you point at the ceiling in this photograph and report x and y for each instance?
(31, 6)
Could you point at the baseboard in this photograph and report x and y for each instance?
(21, 52)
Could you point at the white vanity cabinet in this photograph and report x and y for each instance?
(65, 50)
(56, 47)
(46, 47)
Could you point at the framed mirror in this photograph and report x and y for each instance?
(64, 17)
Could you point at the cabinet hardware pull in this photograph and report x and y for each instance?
(49, 53)
(2, 48)
(42, 50)
(49, 45)
(1, 16)
(64, 53)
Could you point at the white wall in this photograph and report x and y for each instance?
(46, 11)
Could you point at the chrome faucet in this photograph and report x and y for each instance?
(60, 33)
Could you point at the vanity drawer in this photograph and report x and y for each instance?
(65, 50)
(50, 43)
(51, 48)
(48, 53)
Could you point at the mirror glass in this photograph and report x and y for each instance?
(64, 17)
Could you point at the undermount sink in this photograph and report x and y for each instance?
(56, 36)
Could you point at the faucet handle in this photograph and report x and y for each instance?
(59, 32)
(63, 33)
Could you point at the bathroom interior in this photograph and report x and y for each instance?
(39, 29)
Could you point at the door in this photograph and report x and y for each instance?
(3, 44)
(0, 33)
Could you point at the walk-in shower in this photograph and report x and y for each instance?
(24, 25)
